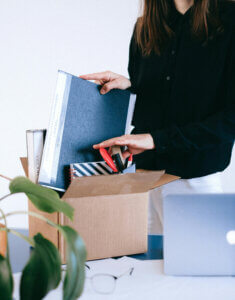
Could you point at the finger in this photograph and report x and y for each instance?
(98, 82)
(108, 143)
(126, 154)
(107, 87)
(97, 76)
(105, 144)
(112, 143)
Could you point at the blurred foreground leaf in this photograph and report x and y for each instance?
(42, 272)
(43, 198)
(75, 257)
(6, 279)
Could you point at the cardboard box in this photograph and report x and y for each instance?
(111, 213)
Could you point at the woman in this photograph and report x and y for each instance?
(182, 68)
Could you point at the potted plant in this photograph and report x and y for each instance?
(42, 272)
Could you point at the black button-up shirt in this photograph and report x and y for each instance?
(186, 99)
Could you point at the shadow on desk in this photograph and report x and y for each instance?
(155, 248)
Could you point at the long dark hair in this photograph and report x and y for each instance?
(153, 29)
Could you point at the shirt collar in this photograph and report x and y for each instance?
(176, 15)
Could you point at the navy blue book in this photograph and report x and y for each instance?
(80, 118)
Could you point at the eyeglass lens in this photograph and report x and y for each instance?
(104, 284)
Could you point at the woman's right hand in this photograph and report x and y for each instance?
(108, 80)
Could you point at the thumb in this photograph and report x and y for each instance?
(114, 84)
(126, 154)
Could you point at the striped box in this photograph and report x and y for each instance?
(89, 169)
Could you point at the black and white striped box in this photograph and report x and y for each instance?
(89, 169)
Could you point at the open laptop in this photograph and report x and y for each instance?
(199, 234)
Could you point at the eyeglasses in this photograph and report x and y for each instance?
(104, 283)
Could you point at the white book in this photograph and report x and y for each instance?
(35, 142)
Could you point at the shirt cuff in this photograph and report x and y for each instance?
(160, 139)
(132, 89)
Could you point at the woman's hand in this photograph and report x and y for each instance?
(136, 143)
(108, 80)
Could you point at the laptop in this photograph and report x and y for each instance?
(199, 234)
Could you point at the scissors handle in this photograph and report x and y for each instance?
(107, 157)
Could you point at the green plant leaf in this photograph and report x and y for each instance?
(43, 198)
(42, 272)
(75, 257)
(6, 279)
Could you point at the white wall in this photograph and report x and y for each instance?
(39, 37)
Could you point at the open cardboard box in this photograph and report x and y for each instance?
(111, 213)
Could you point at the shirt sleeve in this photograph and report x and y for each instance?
(133, 62)
(215, 129)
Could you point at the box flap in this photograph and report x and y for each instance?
(24, 162)
(117, 184)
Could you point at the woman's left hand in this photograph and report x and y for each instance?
(136, 143)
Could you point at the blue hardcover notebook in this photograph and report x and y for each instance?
(80, 117)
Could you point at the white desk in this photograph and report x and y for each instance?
(149, 283)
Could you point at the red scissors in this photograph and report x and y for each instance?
(108, 159)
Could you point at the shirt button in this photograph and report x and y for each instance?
(173, 52)
(168, 78)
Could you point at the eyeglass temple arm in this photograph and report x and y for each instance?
(64, 267)
(128, 272)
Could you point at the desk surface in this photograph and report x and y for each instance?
(148, 282)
